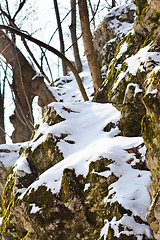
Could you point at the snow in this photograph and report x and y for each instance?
(122, 49)
(129, 223)
(87, 185)
(138, 59)
(136, 86)
(84, 125)
(121, 28)
(70, 90)
(34, 208)
(22, 164)
(9, 154)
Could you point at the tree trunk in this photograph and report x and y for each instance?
(88, 45)
(62, 48)
(72, 28)
(2, 129)
(25, 86)
(113, 3)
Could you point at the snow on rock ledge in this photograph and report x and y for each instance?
(101, 176)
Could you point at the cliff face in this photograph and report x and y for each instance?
(85, 172)
(132, 85)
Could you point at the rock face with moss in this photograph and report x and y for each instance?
(135, 91)
(133, 60)
(111, 30)
(151, 132)
(46, 196)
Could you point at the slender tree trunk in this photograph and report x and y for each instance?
(62, 48)
(113, 3)
(88, 45)
(72, 28)
(2, 128)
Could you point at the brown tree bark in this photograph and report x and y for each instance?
(25, 88)
(72, 28)
(113, 3)
(62, 48)
(88, 45)
(55, 51)
(2, 130)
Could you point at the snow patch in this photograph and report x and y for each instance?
(34, 208)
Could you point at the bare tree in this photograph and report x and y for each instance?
(88, 45)
(62, 47)
(25, 87)
(72, 28)
(53, 50)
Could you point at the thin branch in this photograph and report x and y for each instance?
(4, 132)
(11, 21)
(7, 6)
(19, 8)
(61, 23)
(55, 51)
(44, 55)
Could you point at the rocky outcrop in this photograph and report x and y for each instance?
(77, 197)
(111, 31)
(135, 91)
(134, 59)
(68, 187)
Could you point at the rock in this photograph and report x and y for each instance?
(109, 33)
(76, 212)
(132, 111)
(44, 155)
(151, 127)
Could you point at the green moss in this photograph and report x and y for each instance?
(51, 117)
(100, 165)
(148, 129)
(142, 5)
(45, 155)
(8, 201)
(9, 171)
(34, 131)
(70, 186)
(148, 40)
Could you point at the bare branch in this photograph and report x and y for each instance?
(55, 51)
(19, 8)
(11, 21)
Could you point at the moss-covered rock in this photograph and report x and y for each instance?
(151, 133)
(45, 155)
(107, 35)
(51, 117)
(77, 212)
